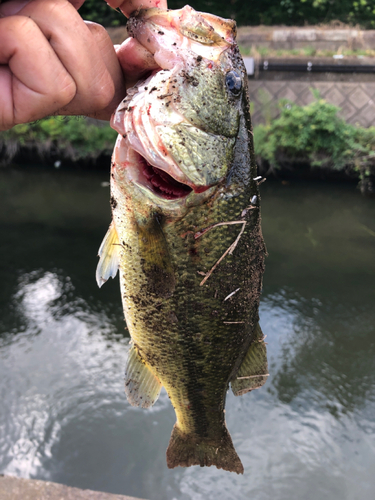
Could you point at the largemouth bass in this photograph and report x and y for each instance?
(186, 233)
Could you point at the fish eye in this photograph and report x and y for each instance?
(233, 82)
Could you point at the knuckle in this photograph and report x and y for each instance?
(51, 6)
(66, 92)
(97, 30)
(23, 25)
(104, 95)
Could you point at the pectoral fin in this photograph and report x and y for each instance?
(253, 371)
(109, 253)
(142, 387)
(157, 263)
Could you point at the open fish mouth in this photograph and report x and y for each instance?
(157, 180)
(163, 184)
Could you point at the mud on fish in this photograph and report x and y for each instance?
(185, 234)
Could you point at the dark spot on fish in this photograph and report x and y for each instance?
(164, 96)
(172, 317)
(189, 78)
(199, 58)
(153, 88)
(160, 32)
(174, 43)
(113, 202)
(124, 136)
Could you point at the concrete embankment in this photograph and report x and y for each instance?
(14, 488)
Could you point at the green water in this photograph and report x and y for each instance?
(308, 434)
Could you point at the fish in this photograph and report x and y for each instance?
(186, 231)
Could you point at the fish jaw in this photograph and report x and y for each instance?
(132, 187)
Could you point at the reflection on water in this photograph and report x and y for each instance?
(309, 433)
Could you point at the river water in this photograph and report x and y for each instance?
(308, 434)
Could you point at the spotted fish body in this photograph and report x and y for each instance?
(186, 233)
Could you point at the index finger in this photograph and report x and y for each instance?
(129, 6)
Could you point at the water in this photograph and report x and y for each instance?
(309, 433)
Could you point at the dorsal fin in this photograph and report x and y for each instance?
(109, 253)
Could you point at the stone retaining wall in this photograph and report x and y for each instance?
(355, 98)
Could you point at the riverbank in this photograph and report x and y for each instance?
(310, 141)
(14, 488)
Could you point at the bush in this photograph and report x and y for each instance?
(72, 138)
(314, 134)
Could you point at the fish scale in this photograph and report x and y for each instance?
(190, 263)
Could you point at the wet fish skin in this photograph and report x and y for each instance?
(190, 267)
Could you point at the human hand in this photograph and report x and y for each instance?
(52, 62)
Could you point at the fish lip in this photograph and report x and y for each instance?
(224, 29)
(143, 166)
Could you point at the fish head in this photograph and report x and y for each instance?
(178, 127)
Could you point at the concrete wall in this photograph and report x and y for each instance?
(353, 93)
(14, 488)
(355, 98)
(323, 38)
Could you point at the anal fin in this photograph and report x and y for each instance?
(142, 387)
(253, 371)
(109, 253)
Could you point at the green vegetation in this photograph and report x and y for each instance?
(73, 138)
(99, 12)
(287, 12)
(315, 134)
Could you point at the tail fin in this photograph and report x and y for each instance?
(188, 449)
